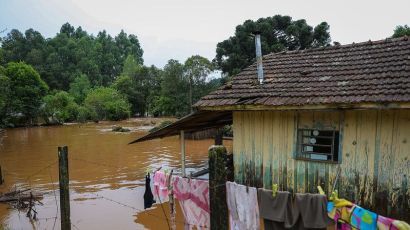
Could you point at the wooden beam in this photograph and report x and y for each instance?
(182, 139)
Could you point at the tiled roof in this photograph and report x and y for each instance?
(368, 72)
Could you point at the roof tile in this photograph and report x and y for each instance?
(377, 71)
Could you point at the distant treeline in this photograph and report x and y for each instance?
(76, 76)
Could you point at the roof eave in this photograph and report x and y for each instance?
(349, 106)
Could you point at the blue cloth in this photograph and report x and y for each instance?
(330, 206)
(363, 219)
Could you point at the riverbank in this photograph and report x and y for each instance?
(144, 121)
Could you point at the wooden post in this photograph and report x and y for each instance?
(217, 188)
(171, 201)
(219, 136)
(182, 137)
(64, 189)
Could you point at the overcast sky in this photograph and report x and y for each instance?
(181, 28)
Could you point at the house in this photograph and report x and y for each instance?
(337, 116)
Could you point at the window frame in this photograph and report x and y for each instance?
(305, 155)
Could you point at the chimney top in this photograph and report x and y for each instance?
(256, 32)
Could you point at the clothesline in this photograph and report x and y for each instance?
(246, 204)
(192, 195)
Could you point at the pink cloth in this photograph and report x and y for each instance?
(385, 223)
(160, 185)
(193, 196)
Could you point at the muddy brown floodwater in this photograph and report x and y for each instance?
(106, 174)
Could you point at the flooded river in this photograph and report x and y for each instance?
(106, 174)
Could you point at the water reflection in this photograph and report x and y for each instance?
(103, 169)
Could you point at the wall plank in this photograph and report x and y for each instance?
(375, 155)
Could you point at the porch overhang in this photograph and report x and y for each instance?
(196, 121)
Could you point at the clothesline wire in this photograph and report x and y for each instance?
(75, 226)
(140, 210)
(48, 166)
(55, 197)
(42, 169)
(103, 164)
(95, 163)
(163, 210)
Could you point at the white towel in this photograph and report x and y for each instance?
(243, 207)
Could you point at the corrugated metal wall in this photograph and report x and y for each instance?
(375, 155)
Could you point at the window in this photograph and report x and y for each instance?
(318, 145)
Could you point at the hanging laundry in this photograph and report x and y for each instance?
(313, 210)
(306, 211)
(363, 219)
(193, 197)
(246, 200)
(148, 196)
(401, 225)
(234, 222)
(355, 217)
(385, 223)
(160, 185)
(274, 210)
(341, 215)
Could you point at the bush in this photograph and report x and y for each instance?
(83, 114)
(107, 104)
(26, 90)
(59, 108)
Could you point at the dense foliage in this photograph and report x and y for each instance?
(197, 69)
(107, 104)
(58, 108)
(22, 95)
(71, 52)
(278, 33)
(401, 31)
(76, 76)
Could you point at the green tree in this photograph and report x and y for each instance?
(278, 33)
(128, 45)
(4, 98)
(401, 31)
(153, 83)
(1, 55)
(127, 87)
(59, 108)
(140, 84)
(72, 52)
(79, 88)
(196, 69)
(26, 91)
(107, 104)
(173, 99)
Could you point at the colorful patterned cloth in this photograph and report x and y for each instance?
(356, 217)
(363, 219)
(340, 215)
(385, 223)
(193, 197)
(160, 185)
